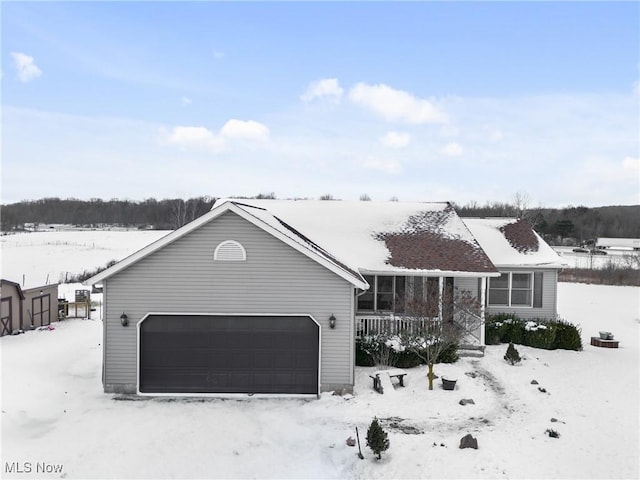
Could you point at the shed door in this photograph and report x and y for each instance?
(228, 354)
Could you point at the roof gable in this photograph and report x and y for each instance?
(257, 216)
(510, 242)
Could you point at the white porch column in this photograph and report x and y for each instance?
(440, 299)
(483, 292)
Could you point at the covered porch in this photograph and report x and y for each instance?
(407, 305)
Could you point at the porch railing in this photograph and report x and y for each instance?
(388, 324)
(396, 325)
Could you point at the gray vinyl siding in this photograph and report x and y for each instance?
(182, 277)
(549, 296)
(467, 283)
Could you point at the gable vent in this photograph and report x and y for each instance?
(230, 251)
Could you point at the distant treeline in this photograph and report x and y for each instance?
(567, 225)
(164, 214)
(564, 225)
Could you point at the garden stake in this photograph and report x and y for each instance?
(359, 451)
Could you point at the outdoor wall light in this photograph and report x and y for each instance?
(332, 321)
(124, 320)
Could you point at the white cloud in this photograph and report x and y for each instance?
(248, 130)
(218, 55)
(388, 166)
(27, 69)
(396, 105)
(202, 138)
(325, 88)
(631, 164)
(395, 139)
(186, 101)
(194, 137)
(451, 150)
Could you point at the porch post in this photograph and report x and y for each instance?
(483, 292)
(440, 299)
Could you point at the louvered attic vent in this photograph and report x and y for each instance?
(230, 251)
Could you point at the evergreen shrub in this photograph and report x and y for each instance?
(538, 333)
(567, 336)
(512, 355)
(377, 438)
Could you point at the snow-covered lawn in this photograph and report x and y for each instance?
(54, 413)
(45, 257)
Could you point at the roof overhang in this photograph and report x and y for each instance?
(430, 273)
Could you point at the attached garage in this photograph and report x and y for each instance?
(225, 354)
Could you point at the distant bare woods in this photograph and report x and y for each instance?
(570, 225)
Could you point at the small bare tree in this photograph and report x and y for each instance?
(521, 202)
(439, 323)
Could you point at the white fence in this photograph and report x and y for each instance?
(392, 325)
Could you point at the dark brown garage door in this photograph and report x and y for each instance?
(229, 354)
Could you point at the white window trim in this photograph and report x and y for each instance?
(216, 253)
(510, 291)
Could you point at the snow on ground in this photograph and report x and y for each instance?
(45, 257)
(54, 413)
(618, 258)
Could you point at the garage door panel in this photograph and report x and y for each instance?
(228, 354)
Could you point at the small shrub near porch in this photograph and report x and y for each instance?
(390, 350)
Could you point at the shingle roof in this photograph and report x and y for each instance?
(381, 237)
(510, 242)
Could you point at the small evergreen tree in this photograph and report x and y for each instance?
(512, 356)
(377, 439)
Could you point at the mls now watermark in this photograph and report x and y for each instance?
(33, 467)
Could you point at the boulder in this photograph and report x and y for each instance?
(351, 442)
(468, 441)
(466, 401)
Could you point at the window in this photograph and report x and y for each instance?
(384, 293)
(230, 251)
(521, 289)
(511, 290)
(389, 293)
(366, 301)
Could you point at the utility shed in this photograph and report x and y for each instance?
(26, 309)
(10, 307)
(40, 306)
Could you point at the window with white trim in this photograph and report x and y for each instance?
(230, 251)
(389, 293)
(511, 289)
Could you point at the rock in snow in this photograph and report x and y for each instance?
(468, 441)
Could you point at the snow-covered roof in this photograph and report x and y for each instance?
(380, 237)
(510, 242)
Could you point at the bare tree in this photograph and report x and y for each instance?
(365, 198)
(521, 202)
(440, 322)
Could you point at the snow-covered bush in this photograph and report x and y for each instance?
(503, 328)
(548, 334)
(539, 334)
(376, 349)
